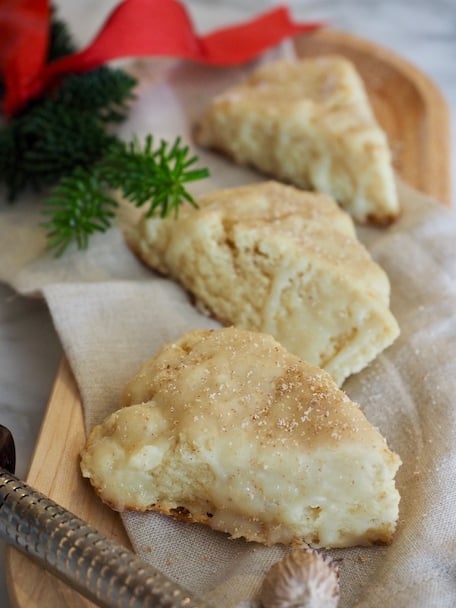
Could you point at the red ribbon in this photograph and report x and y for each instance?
(24, 31)
(135, 28)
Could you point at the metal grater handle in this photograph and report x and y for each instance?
(103, 571)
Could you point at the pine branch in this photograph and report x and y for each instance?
(66, 128)
(155, 177)
(78, 207)
(63, 138)
(81, 203)
(12, 146)
(104, 92)
(48, 142)
(60, 40)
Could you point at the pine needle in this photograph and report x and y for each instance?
(63, 140)
(153, 177)
(78, 208)
(103, 92)
(60, 40)
(64, 130)
(81, 204)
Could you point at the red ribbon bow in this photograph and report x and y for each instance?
(135, 28)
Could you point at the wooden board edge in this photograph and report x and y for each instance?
(65, 485)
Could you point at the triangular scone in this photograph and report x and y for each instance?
(226, 428)
(308, 122)
(272, 258)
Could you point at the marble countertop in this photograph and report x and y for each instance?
(421, 31)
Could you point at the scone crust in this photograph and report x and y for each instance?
(308, 122)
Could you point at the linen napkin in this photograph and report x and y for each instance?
(112, 313)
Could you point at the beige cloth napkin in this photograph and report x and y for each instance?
(111, 313)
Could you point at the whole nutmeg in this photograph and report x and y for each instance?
(302, 579)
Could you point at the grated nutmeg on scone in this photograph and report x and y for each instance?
(272, 258)
(308, 122)
(226, 428)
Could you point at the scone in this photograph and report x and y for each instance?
(272, 258)
(226, 428)
(308, 122)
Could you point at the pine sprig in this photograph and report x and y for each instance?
(78, 207)
(82, 203)
(64, 139)
(155, 177)
(105, 92)
(52, 146)
(60, 39)
(65, 130)
(68, 127)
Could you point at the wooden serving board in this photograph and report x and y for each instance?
(415, 116)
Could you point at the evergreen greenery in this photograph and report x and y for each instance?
(82, 202)
(60, 40)
(64, 139)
